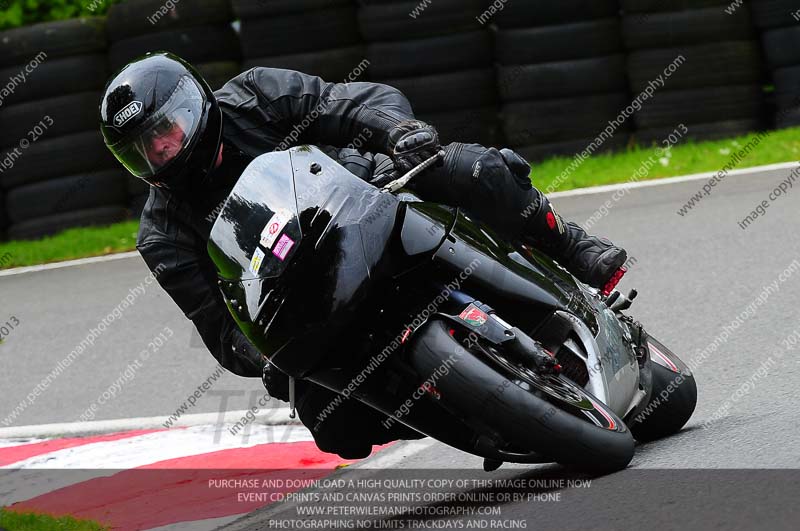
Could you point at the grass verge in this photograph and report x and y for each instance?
(683, 159)
(13, 521)
(551, 175)
(70, 244)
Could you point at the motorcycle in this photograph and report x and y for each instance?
(430, 317)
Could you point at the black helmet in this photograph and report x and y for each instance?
(161, 120)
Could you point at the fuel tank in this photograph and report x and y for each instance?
(515, 278)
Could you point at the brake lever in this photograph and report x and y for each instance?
(400, 182)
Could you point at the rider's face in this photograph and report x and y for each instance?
(165, 145)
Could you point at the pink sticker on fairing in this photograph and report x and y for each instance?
(283, 247)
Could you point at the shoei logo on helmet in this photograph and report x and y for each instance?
(127, 112)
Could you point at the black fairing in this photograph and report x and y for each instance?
(293, 309)
(521, 284)
(363, 261)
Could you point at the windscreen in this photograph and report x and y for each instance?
(258, 230)
(326, 269)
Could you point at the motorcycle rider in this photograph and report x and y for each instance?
(162, 121)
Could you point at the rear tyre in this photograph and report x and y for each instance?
(672, 401)
(530, 413)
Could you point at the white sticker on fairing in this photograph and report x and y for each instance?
(274, 227)
(256, 261)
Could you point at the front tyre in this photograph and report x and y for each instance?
(520, 410)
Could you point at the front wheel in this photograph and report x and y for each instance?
(520, 411)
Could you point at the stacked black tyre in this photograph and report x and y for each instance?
(440, 56)
(561, 76)
(703, 65)
(779, 20)
(199, 31)
(318, 37)
(54, 169)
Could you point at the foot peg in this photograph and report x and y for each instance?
(617, 302)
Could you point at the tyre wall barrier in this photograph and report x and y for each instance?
(54, 170)
(439, 54)
(706, 63)
(547, 78)
(779, 24)
(561, 75)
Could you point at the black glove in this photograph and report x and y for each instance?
(412, 142)
(520, 168)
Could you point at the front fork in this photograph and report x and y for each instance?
(480, 321)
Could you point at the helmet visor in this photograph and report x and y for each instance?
(165, 134)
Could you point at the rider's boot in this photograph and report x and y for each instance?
(494, 185)
(594, 261)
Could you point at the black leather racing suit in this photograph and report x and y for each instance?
(267, 109)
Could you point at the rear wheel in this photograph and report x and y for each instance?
(673, 399)
(521, 411)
